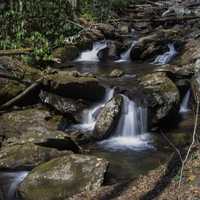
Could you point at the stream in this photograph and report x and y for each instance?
(132, 150)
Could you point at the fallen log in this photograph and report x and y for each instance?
(11, 52)
(158, 20)
(21, 95)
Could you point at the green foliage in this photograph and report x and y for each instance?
(117, 4)
(42, 25)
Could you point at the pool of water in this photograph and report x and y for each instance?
(104, 68)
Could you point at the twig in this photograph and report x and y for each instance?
(21, 95)
(76, 24)
(15, 52)
(171, 144)
(193, 141)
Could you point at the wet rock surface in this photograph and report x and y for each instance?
(27, 155)
(61, 104)
(74, 85)
(108, 118)
(162, 95)
(64, 177)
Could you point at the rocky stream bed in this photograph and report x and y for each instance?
(101, 122)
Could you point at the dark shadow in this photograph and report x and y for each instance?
(116, 191)
(172, 170)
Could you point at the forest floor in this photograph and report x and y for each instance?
(163, 183)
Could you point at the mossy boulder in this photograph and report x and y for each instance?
(18, 156)
(190, 52)
(18, 69)
(74, 85)
(66, 54)
(162, 96)
(108, 118)
(9, 89)
(18, 123)
(64, 177)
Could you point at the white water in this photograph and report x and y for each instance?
(89, 116)
(15, 178)
(92, 55)
(131, 131)
(166, 57)
(124, 57)
(185, 103)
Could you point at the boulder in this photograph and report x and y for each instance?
(64, 177)
(33, 120)
(9, 89)
(111, 52)
(18, 69)
(61, 104)
(66, 54)
(18, 73)
(148, 47)
(162, 96)
(18, 156)
(107, 30)
(190, 52)
(116, 73)
(74, 85)
(108, 118)
(123, 28)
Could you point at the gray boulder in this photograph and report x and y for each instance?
(108, 118)
(161, 94)
(26, 155)
(64, 177)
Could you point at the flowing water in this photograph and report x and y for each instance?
(131, 150)
(185, 103)
(131, 131)
(92, 55)
(166, 57)
(9, 181)
(124, 57)
(89, 116)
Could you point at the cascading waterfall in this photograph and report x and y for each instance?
(15, 178)
(166, 57)
(131, 131)
(92, 55)
(89, 116)
(185, 103)
(124, 57)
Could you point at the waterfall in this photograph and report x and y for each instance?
(166, 57)
(126, 55)
(131, 131)
(92, 55)
(12, 179)
(89, 116)
(185, 103)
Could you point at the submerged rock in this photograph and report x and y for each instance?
(108, 118)
(116, 73)
(64, 177)
(162, 96)
(26, 155)
(74, 85)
